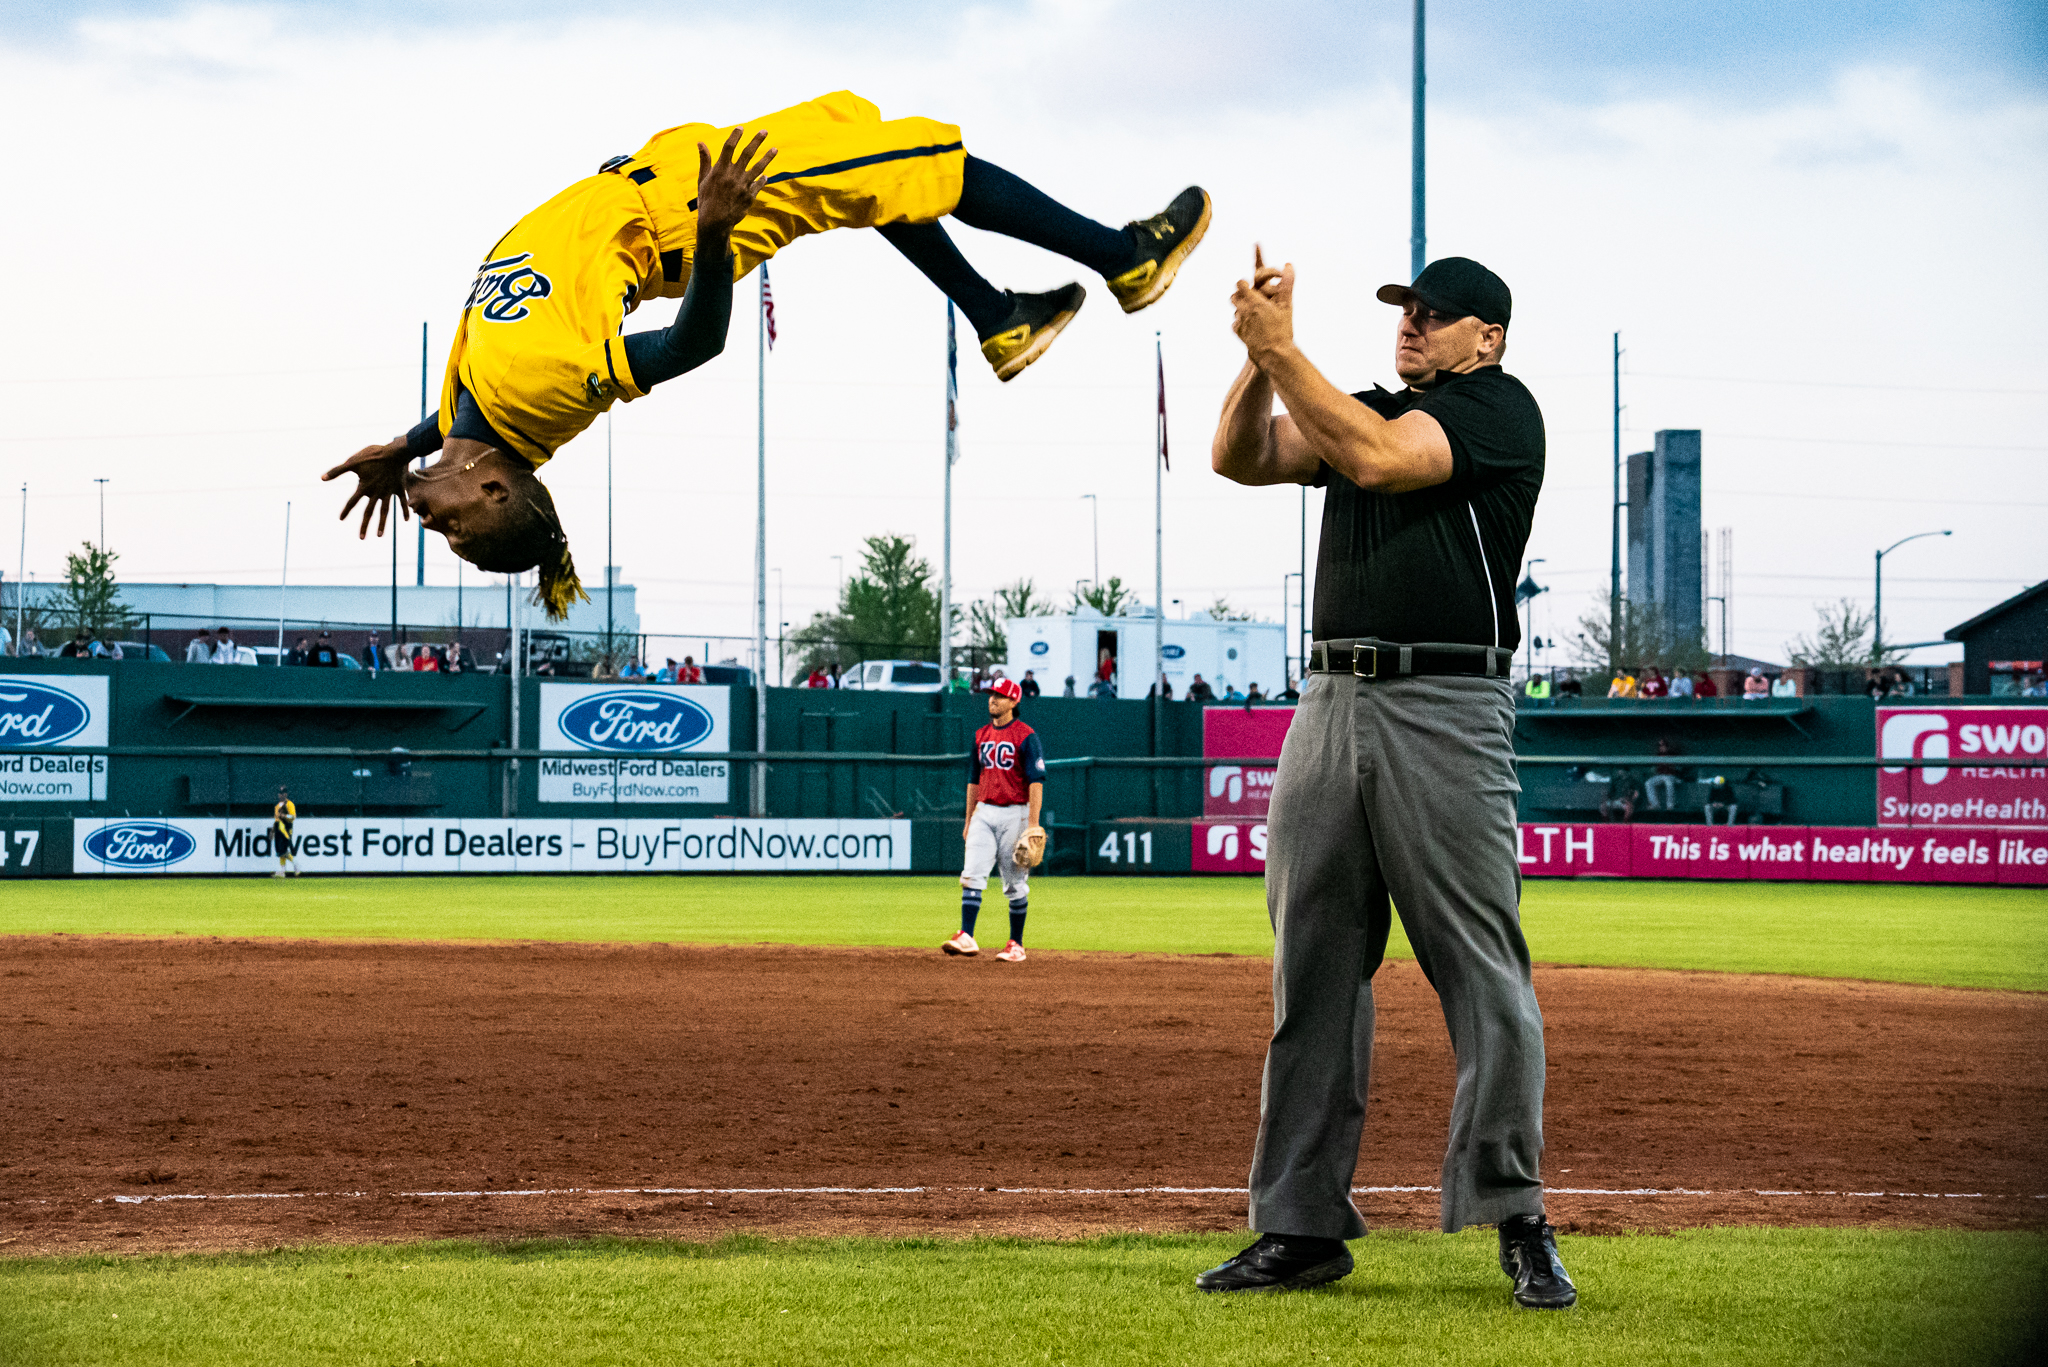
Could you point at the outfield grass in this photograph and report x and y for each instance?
(1958, 936)
(1726, 1296)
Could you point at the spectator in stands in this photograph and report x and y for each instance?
(1681, 685)
(79, 647)
(424, 660)
(1105, 666)
(1622, 793)
(373, 655)
(1756, 687)
(818, 677)
(1571, 686)
(634, 669)
(1901, 682)
(689, 673)
(2033, 686)
(1653, 685)
(6, 640)
(604, 669)
(1785, 686)
(667, 675)
(1704, 686)
(459, 661)
(1199, 690)
(199, 650)
(1537, 688)
(1230, 693)
(1721, 798)
(298, 654)
(1254, 695)
(1291, 693)
(1029, 686)
(1623, 685)
(1101, 688)
(224, 652)
(1070, 687)
(324, 655)
(1664, 780)
(30, 648)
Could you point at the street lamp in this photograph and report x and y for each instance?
(1525, 592)
(1877, 613)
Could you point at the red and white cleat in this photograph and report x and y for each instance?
(1013, 953)
(963, 945)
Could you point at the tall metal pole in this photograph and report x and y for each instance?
(284, 575)
(515, 608)
(1418, 254)
(1301, 643)
(1614, 641)
(21, 571)
(420, 574)
(1095, 536)
(1159, 553)
(610, 566)
(758, 803)
(946, 538)
(1877, 623)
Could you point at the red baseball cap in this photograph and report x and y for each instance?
(1007, 687)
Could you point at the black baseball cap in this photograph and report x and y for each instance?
(1459, 286)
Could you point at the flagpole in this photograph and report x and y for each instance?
(1159, 554)
(758, 806)
(946, 553)
(284, 574)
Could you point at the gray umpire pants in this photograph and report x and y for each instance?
(1404, 788)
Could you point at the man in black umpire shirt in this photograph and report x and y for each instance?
(1398, 775)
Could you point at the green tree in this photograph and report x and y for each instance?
(1841, 639)
(985, 618)
(1647, 638)
(887, 611)
(1221, 611)
(90, 598)
(1111, 599)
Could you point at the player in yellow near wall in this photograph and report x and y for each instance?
(539, 353)
(282, 818)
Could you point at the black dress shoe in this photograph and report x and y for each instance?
(1528, 1253)
(1280, 1262)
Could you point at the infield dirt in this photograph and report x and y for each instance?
(334, 1085)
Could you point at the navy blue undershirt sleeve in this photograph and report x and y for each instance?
(697, 334)
(424, 439)
(1034, 760)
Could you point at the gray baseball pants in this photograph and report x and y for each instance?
(1403, 788)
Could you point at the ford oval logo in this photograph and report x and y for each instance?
(140, 845)
(1040, 648)
(637, 721)
(1173, 652)
(31, 714)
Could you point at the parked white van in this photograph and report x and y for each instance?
(894, 676)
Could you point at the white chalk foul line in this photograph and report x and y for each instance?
(1020, 1191)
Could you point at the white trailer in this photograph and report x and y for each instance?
(1226, 654)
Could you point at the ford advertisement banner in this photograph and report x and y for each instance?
(41, 716)
(2000, 777)
(651, 729)
(357, 845)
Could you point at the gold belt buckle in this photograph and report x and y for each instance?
(1375, 662)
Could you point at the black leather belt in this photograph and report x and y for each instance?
(1368, 658)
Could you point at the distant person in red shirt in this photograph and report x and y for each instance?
(1653, 685)
(1703, 686)
(1005, 785)
(689, 673)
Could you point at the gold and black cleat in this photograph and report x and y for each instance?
(1164, 241)
(1035, 319)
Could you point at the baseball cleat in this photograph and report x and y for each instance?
(1035, 319)
(1012, 953)
(1528, 1253)
(278, 874)
(1280, 1263)
(1164, 241)
(962, 944)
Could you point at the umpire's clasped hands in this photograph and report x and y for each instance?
(1265, 307)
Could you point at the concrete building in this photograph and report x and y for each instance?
(1664, 532)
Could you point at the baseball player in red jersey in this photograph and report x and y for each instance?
(1005, 787)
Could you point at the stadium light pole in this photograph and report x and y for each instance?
(946, 537)
(21, 571)
(1877, 611)
(1418, 252)
(420, 567)
(1614, 642)
(758, 806)
(103, 514)
(611, 572)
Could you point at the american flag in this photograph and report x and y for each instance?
(768, 306)
(1159, 350)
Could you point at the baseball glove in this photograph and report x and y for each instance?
(1030, 851)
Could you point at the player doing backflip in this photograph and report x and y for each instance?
(1005, 787)
(539, 352)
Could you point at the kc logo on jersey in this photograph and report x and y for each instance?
(998, 754)
(503, 287)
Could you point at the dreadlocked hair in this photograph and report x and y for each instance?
(529, 534)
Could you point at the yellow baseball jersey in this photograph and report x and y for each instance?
(283, 815)
(538, 347)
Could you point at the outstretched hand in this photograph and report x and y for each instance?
(380, 479)
(725, 187)
(1265, 306)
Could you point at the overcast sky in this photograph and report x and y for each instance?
(1818, 229)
